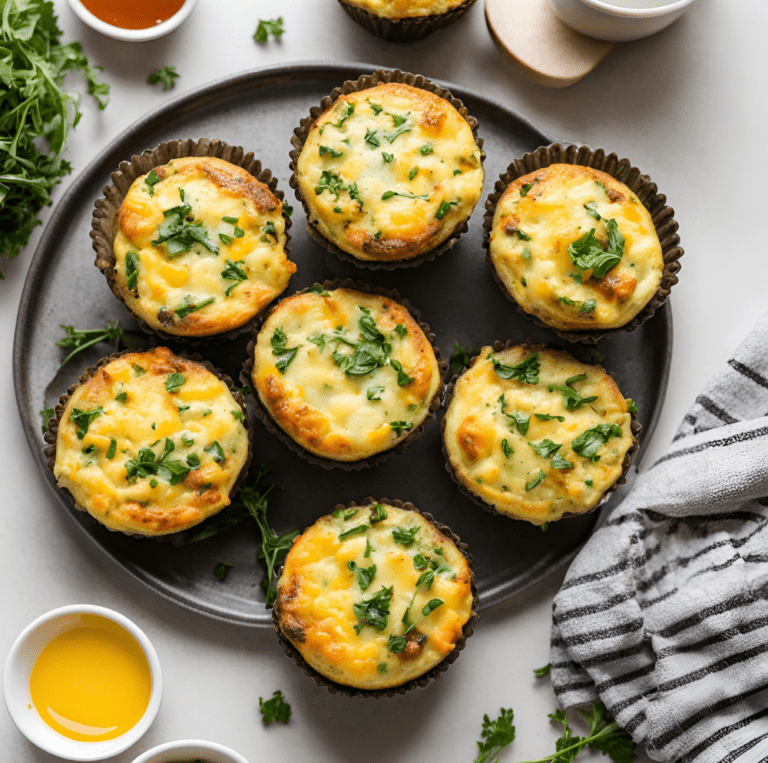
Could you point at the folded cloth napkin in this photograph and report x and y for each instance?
(664, 614)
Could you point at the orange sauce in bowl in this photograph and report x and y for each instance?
(133, 14)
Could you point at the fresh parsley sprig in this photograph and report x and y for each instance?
(275, 709)
(460, 358)
(268, 27)
(166, 76)
(82, 339)
(496, 735)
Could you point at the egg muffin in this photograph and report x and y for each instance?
(150, 443)
(374, 596)
(389, 173)
(344, 373)
(200, 247)
(404, 20)
(536, 434)
(576, 248)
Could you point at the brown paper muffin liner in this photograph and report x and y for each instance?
(635, 428)
(415, 683)
(365, 82)
(51, 436)
(105, 220)
(364, 463)
(406, 29)
(645, 190)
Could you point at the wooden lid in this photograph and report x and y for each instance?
(530, 35)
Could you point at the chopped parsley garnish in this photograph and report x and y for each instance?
(592, 211)
(401, 126)
(349, 110)
(216, 451)
(371, 139)
(631, 407)
(90, 450)
(403, 380)
(364, 575)
(519, 420)
(370, 352)
(187, 440)
(368, 549)
(286, 354)
(138, 370)
(506, 448)
(588, 443)
(236, 415)
(193, 461)
(387, 157)
(522, 235)
(571, 398)
(404, 537)
(221, 570)
(47, 414)
(560, 462)
(535, 481)
(374, 393)
(334, 154)
(268, 27)
(318, 289)
(431, 606)
(112, 450)
(584, 307)
(549, 417)
(230, 220)
(353, 531)
(167, 77)
(545, 448)
(399, 426)
(426, 149)
(147, 464)
(188, 306)
(401, 330)
(275, 709)
(526, 371)
(527, 187)
(174, 382)
(179, 234)
(287, 210)
(151, 180)
(373, 611)
(233, 272)
(444, 208)
(460, 358)
(587, 253)
(496, 736)
(389, 194)
(84, 419)
(131, 270)
(375, 108)
(397, 644)
(378, 513)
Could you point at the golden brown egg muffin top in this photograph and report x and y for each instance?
(373, 596)
(402, 9)
(200, 247)
(576, 248)
(151, 444)
(389, 173)
(344, 373)
(535, 433)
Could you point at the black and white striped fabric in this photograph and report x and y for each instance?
(664, 613)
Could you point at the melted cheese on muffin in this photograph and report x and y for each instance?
(389, 173)
(401, 9)
(576, 248)
(373, 596)
(345, 374)
(535, 433)
(200, 247)
(151, 444)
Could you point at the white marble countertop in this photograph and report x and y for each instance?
(685, 104)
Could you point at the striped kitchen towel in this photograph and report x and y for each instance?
(664, 613)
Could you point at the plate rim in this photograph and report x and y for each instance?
(110, 157)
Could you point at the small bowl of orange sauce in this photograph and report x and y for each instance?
(83, 683)
(133, 20)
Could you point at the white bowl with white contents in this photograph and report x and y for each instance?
(619, 20)
(190, 749)
(18, 693)
(132, 35)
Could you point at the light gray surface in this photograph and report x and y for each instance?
(682, 104)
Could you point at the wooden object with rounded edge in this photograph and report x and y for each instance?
(531, 36)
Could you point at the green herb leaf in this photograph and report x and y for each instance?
(353, 531)
(404, 537)
(592, 211)
(318, 289)
(571, 398)
(287, 354)
(526, 372)
(371, 138)
(444, 208)
(275, 709)
(373, 611)
(166, 77)
(541, 672)
(426, 149)
(193, 461)
(82, 339)
(180, 234)
(233, 272)
(174, 382)
(496, 735)
(398, 426)
(460, 358)
(506, 448)
(588, 443)
(287, 210)
(588, 253)
(364, 575)
(216, 451)
(401, 126)
(527, 187)
(545, 448)
(334, 154)
(187, 306)
(378, 513)
(631, 407)
(389, 194)
(431, 606)
(375, 108)
(112, 450)
(387, 157)
(397, 644)
(560, 462)
(272, 27)
(83, 419)
(401, 330)
(221, 570)
(535, 481)
(403, 380)
(47, 414)
(138, 370)
(549, 417)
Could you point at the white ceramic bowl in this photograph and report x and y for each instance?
(132, 35)
(18, 667)
(619, 20)
(190, 749)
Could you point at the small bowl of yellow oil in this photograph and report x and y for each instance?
(83, 682)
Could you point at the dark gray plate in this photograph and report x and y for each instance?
(456, 295)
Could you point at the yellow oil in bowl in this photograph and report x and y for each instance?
(93, 682)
